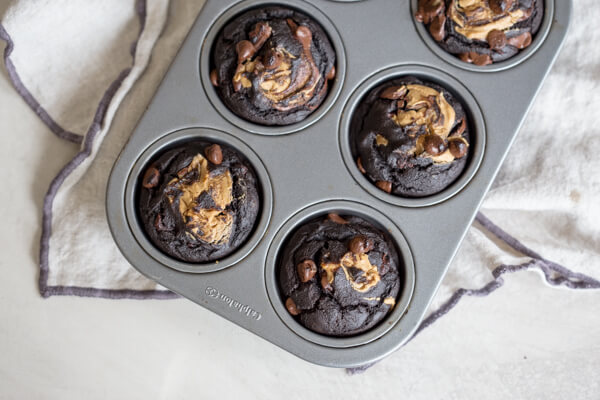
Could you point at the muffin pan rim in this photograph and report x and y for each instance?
(381, 222)
(521, 56)
(180, 137)
(334, 89)
(477, 132)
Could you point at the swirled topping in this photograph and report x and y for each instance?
(368, 278)
(286, 80)
(211, 224)
(489, 21)
(475, 19)
(429, 119)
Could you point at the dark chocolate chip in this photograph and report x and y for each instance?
(331, 73)
(438, 27)
(476, 58)
(272, 59)
(461, 128)
(394, 93)
(521, 41)
(158, 223)
(214, 154)
(291, 307)
(245, 50)
(360, 166)
(337, 219)
(307, 269)
(428, 9)
(496, 39)
(386, 186)
(151, 178)
(434, 145)
(500, 6)
(458, 148)
(360, 245)
(214, 79)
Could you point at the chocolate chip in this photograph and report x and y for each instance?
(386, 186)
(360, 245)
(461, 128)
(476, 58)
(259, 35)
(394, 93)
(272, 59)
(360, 166)
(437, 29)
(291, 307)
(325, 283)
(385, 266)
(521, 41)
(481, 59)
(500, 6)
(331, 73)
(458, 148)
(158, 224)
(151, 178)
(303, 34)
(496, 39)
(214, 154)
(428, 9)
(434, 145)
(307, 269)
(245, 50)
(214, 79)
(337, 219)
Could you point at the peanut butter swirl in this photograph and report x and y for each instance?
(479, 31)
(211, 225)
(422, 108)
(286, 80)
(367, 280)
(475, 19)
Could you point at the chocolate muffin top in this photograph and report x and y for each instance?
(272, 65)
(411, 138)
(482, 31)
(338, 275)
(198, 202)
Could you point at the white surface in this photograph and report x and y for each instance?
(524, 341)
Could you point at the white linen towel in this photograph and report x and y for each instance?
(546, 196)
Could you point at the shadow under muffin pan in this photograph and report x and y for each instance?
(311, 171)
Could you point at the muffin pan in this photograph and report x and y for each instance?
(307, 169)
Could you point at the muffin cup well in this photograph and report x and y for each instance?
(177, 139)
(476, 132)
(225, 112)
(524, 54)
(405, 268)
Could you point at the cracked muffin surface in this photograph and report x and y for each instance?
(198, 202)
(482, 32)
(338, 275)
(410, 137)
(272, 65)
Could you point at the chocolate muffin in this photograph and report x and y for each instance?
(482, 31)
(272, 65)
(198, 202)
(338, 275)
(411, 138)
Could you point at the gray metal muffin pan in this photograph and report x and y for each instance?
(307, 169)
